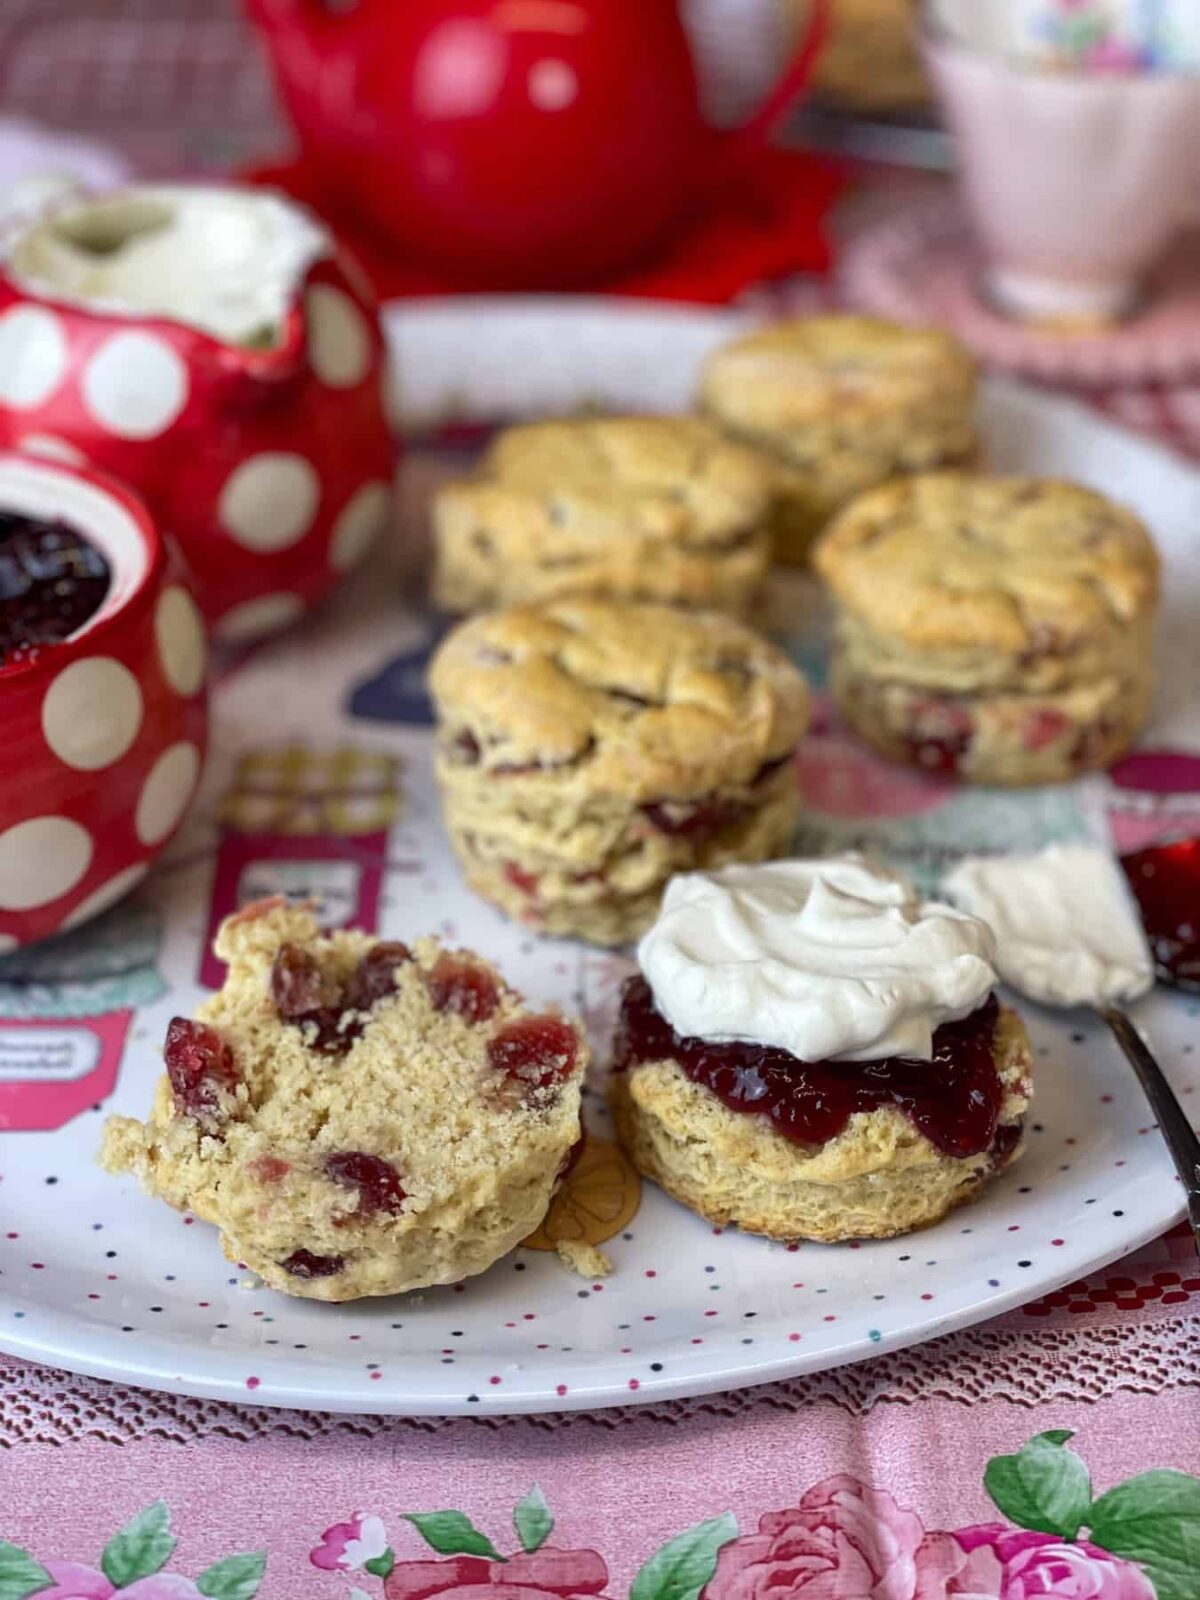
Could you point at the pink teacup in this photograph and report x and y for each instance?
(1077, 181)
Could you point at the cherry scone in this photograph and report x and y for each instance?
(358, 1117)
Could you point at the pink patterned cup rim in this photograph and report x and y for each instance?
(923, 266)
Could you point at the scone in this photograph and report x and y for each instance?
(588, 750)
(999, 630)
(357, 1118)
(629, 508)
(840, 404)
(750, 1121)
(870, 62)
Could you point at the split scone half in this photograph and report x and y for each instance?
(357, 1117)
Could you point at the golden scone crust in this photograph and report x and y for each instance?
(870, 60)
(478, 1155)
(952, 562)
(842, 404)
(638, 508)
(588, 750)
(876, 1179)
(642, 702)
(996, 629)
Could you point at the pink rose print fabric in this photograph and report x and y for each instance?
(72, 1582)
(1035, 1565)
(544, 1575)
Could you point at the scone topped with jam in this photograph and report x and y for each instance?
(840, 404)
(357, 1117)
(812, 1052)
(632, 508)
(999, 630)
(588, 750)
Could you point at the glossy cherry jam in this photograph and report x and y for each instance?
(51, 582)
(1165, 880)
(954, 1100)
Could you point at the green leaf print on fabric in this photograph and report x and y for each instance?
(143, 1547)
(1154, 1520)
(235, 1578)
(20, 1575)
(533, 1520)
(686, 1563)
(1045, 1486)
(450, 1533)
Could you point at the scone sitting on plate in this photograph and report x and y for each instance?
(998, 630)
(588, 750)
(356, 1117)
(811, 1052)
(629, 508)
(840, 404)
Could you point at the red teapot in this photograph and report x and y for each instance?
(519, 142)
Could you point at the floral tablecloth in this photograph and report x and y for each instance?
(1054, 1452)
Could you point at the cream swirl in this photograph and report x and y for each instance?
(829, 960)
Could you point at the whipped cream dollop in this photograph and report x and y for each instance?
(227, 261)
(1066, 924)
(829, 960)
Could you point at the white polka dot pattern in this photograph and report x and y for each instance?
(364, 517)
(135, 386)
(45, 444)
(41, 860)
(180, 636)
(257, 617)
(92, 713)
(339, 338)
(166, 792)
(107, 895)
(33, 356)
(270, 501)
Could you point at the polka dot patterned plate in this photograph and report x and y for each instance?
(96, 1278)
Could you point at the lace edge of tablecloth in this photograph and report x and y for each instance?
(39, 1405)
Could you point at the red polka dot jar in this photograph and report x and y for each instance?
(104, 731)
(210, 347)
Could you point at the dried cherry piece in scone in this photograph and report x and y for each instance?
(304, 1264)
(377, 1181)
(298, 985)
(305, 997)
(374, 978)
(539, 1051)
(268, 1169)
(1044, 727)
(526, 882)
(200, 1066)
(465, 748)
(943, 733)
(694, 819)
(467, 991)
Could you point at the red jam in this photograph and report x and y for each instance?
(51, 583)
(954, 1100)
(1165, 880)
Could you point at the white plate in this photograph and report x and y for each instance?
(98, 1279)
